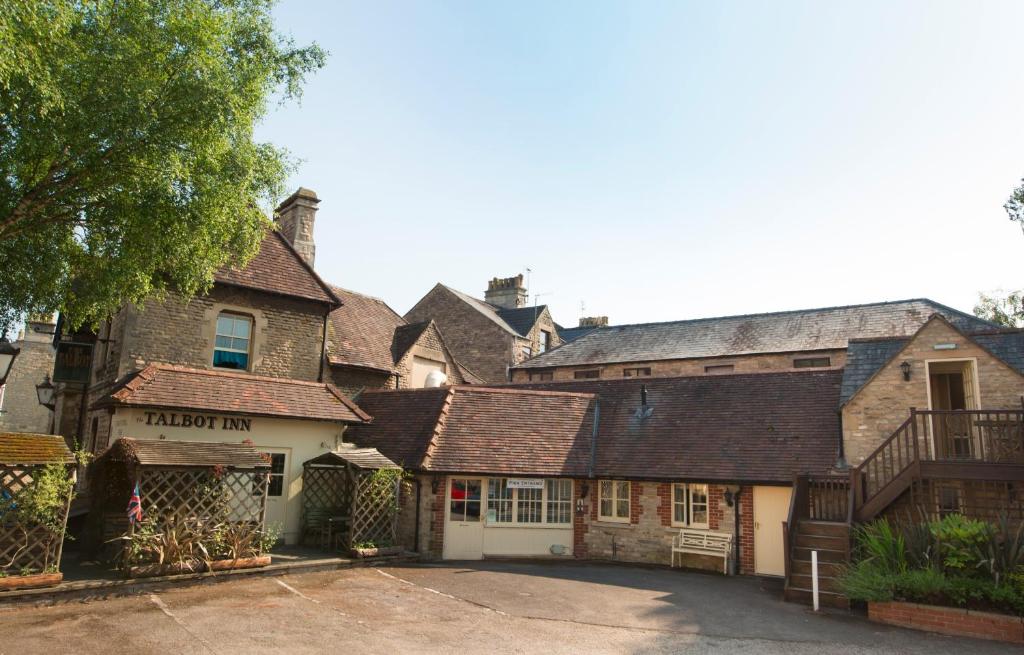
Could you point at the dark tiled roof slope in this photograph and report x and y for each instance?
(203, 454)
(29, 448)
(763, 427)
(790, 331)
(514, 432)
(166, 386)
(572, 334)
(362, 331)
(480, 430)
(277, 268)
(405, 337)
(1007, 345)
(403, 425)
(521, 319)
(863, 359)
(363, 458)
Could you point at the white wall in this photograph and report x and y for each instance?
(303, 440)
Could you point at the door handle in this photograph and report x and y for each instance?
(757, 526)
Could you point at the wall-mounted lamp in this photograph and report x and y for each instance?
(731, 494)
(905, 367)
(44, 393)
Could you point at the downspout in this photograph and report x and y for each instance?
(416, 531)
(739, 531)
(841, 463)
(323, 348)
(593, 436)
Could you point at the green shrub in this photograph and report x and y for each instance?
(881, 545)
(962, 542)
(866, 582)
(923, 585)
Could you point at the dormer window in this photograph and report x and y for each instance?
(234, 336)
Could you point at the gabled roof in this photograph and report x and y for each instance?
(175, 387)
(763, 427)
(29, 449)
(406, 337)
(277, 268)
(486, 309)
(760, 427)
(480, 430)
(864, 358)
(363, 331)
(199, 454)
(572, 334)
(521, 319)
(790, 331)
(361, 458)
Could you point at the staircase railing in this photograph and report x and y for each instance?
(994, 436)
(815, 498)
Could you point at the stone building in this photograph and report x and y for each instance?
(489, 336)
(20, 410)
(778, 341)
(369, 346)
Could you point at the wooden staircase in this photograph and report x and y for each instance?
(933, 444)
(831, 540)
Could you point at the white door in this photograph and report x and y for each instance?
(464, 526)
(771, 509)
(277, 489)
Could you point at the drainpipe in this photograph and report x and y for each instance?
(593, 435)
(323, 348)
(416, 531)
(841, 462)
(739, 531)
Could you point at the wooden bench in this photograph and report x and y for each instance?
(703, 542)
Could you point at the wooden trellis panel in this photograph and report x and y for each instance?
(374, 512)
(32, 546)
(200, 493)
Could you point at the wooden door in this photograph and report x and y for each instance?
(771, 509)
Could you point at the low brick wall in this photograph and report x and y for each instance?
(949, 621)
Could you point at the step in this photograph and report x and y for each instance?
(821, 542)
(825, 598)
(825, 583)
(803, 567)
(823, 528)
(824, 554)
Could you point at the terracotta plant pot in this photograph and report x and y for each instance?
(376, 552)
(30, 581)
(151, 570)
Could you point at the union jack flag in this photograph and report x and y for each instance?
(135, 506)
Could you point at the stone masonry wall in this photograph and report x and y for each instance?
(20, 410)
(884, 403)
(647, 538)
(691, 367)
(476, 341)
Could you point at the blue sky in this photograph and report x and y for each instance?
(660, 161)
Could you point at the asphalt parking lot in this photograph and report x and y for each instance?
(504, 607)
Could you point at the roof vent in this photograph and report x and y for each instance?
(645, 410)
(435, 379)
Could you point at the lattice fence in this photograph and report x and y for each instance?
(375, 515)
(326, 491)
(204, 494)
(24, 546)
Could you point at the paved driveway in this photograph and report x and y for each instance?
(480, 607)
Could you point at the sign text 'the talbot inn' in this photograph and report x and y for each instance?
(199, 421)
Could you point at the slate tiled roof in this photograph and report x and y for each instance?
(572, 334)
(405, 337)
(790, 331)
(865, 357)
(277, 268)
(762, 427)
(521, 319)
(29, 448)
(200, 454)
(480, 430)
(362, 332)
(752, 428)
(175, 387)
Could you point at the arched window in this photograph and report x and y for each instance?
(234, 336)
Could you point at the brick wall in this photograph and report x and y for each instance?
(746, 536)
(950, 621)
(690, 367)
(882, 405)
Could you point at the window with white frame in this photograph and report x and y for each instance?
(231, 345)
(690, 505)
(551, 504)
(613, 501)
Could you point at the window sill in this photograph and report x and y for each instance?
(532, 526)
(612, 524)
(676, 528)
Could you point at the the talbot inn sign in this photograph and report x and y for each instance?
(199, 421)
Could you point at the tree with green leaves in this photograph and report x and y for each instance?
(1006, 309)
(128, 160)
